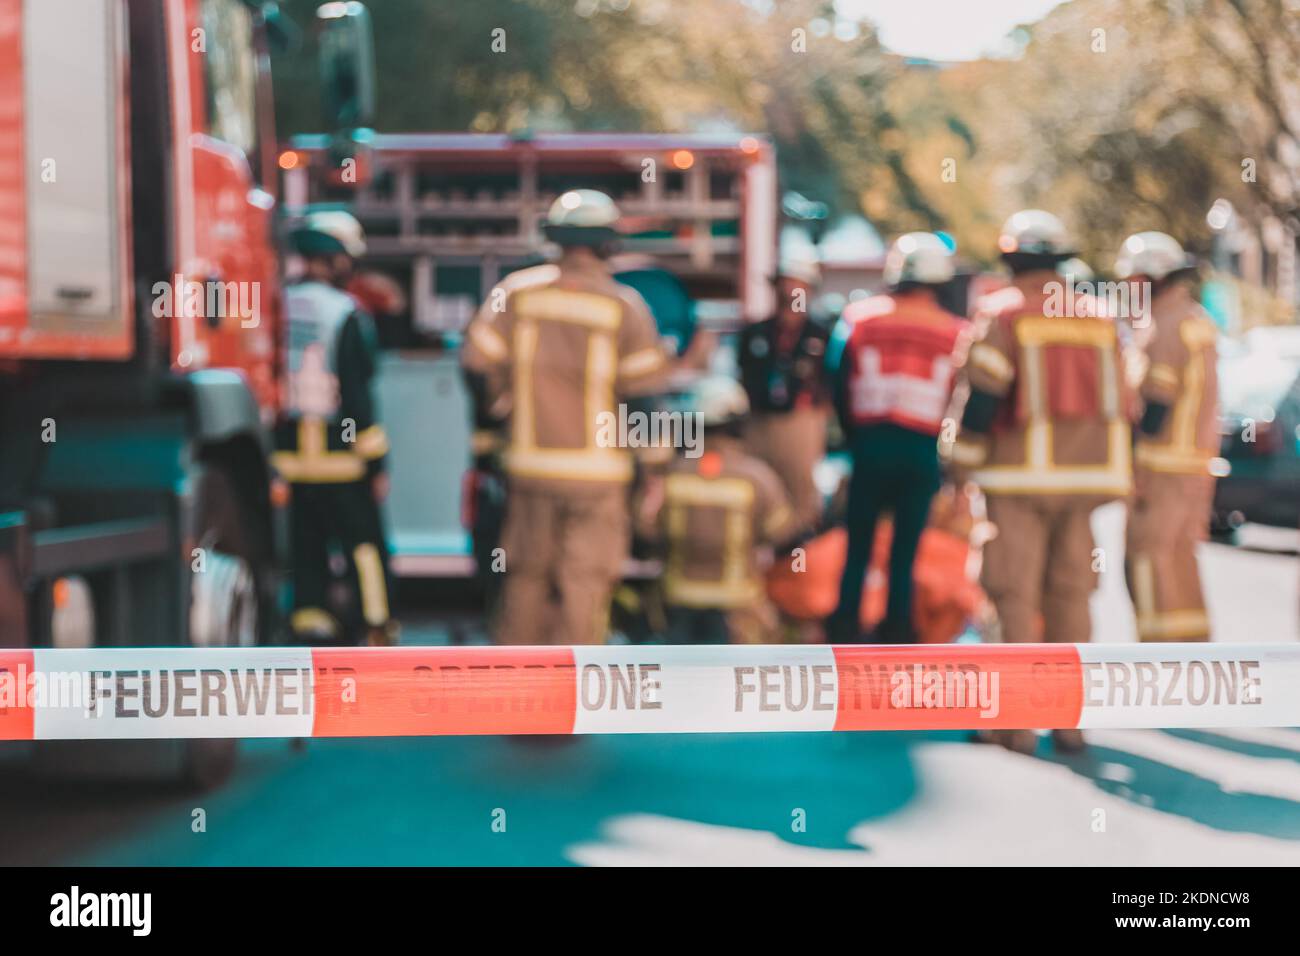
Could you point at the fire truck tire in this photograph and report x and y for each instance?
(224, 607)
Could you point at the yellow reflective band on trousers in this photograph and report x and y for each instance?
(313, 620)
(1154, 624)
(370, 577)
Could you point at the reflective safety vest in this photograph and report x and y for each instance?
(327, 430)
(1062, 426)
(571, 343)
(1182, 374)
(897, 362)
(718, 512)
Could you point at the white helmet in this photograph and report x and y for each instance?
(918, 257)
(1077, 268)
(1152, 254)
(1036, 233)
(800, 267)
(581, 217)
(329, 231)
(720, 400)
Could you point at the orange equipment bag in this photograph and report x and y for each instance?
(945, 599)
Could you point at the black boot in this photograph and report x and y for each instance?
(895, 632)
(842, 630)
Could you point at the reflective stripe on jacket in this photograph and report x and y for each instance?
(896, 363)
(1182, 374)
(327, 431)
(567, 343)
(1062, 426)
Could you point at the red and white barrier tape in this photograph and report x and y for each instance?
(419, 691)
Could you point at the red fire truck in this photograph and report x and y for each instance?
(139, 321)
(448, 214)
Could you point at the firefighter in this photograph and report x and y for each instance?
(783, 367)
(330, 446)
(1177, 437)
(716, 512)
(891, 363)
(1045, 433)
(556, 347)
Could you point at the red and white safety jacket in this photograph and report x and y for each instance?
(897, 363)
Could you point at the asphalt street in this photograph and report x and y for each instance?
(1153, 797)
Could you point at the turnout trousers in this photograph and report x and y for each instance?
(346, 513)
(1041, 564)
(564, 552)
(792, 443)
(749, 624)
(1166, 521)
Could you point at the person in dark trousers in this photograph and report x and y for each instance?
(892, 366)
(330, 446)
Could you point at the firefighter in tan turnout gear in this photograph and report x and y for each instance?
(716, 511)
(330, 446)
(1178, 434)
(562, 344)
(1045, 433)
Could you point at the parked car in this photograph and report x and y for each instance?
(1259, 389)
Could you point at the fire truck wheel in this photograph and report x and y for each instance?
(207, 764)
(235, 557)
(224, 608)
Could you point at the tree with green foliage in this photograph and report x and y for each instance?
(816, 84)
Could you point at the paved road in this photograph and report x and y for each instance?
(847, 799)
